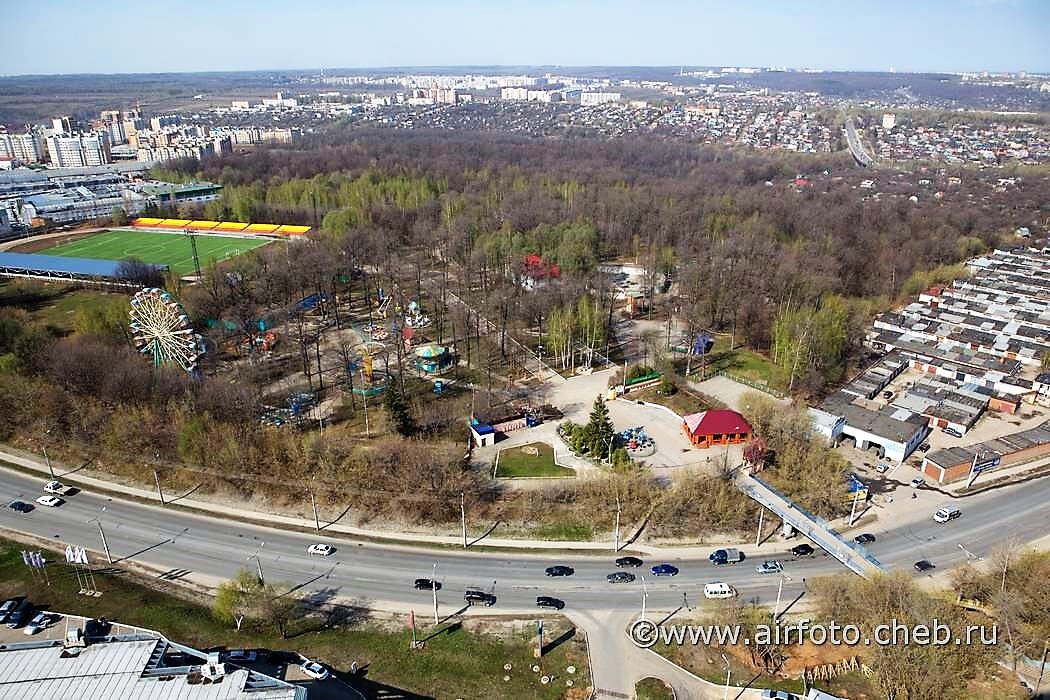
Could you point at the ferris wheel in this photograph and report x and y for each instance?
(161, 329)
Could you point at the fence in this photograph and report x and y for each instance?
(761, 386)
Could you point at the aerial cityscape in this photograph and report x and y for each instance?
(525, 350)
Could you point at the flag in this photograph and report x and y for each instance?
(82, 557)
(25, 558)
(539, 627)
(412, 620)
(37, 560)
(70, 558)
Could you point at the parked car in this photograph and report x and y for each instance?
(778, 695)
(20, 506)
(546, 601)
(57, 488)
(50, 501)
(9, 606)
(924, 447)
(426, 584)
(803, 550)
(917, 482)
(664, 570)
(321, 549)
(472, 596)
(887, 395)
(882, 468)
(951, 431)
(770, 566)
(620, 577)
(721, 557)
(924, 565)
(98, 627)
(20, 615)
(314, 670)
(241, 656)
(559, 570)
(864, 538)
(41, 621)
(628, 561)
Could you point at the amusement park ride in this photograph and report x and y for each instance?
(161, 330)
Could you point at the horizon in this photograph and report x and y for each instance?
(240, 36)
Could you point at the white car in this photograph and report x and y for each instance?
(314, 670)
(321, 550)
(50, 501)
(917, 482)
(55, 487)
(882, 468)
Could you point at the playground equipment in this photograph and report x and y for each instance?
(162, 331)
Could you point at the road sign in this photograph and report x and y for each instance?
(982, 462)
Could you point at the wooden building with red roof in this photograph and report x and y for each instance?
(721, 427)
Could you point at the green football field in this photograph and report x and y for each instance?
(171, 249)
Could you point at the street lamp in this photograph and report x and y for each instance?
(645, 595)
(434, 589)
(102, 534)
(725, 694)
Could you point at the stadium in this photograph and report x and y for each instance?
(176, 245)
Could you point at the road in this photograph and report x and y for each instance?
(381, 575)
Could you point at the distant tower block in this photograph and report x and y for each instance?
(889, 121)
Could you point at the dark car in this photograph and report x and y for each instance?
(620, 577)
(476, 597)
(628, 561)
(546, 601)
(951, 431)
(20, 506)
(664, 570)
(924, 565)
(98, 627)
(20, 615)
(9, 606)
(426, 584)
(559, 570)
(924, 447)
(802, 550)
(865, 538)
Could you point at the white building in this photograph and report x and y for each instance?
(27, 148)
(889, 121)
(591, 99)
(78, 150)
(514, 93)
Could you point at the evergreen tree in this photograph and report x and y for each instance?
(398, 411)
(599, 430)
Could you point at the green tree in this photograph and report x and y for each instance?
(398, 411)
(119, 217)
(598, 433)
(238, 599)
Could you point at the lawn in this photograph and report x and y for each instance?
(171, 249)
(652, 689)
(53, 304)
(536, 459)
(743, 363)
(683, 402)
(458, 661)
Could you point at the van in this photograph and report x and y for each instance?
(477, 597)
(719, 590)
(943, 515)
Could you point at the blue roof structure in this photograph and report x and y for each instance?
(56, 266)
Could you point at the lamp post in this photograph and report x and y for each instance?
(434, 589)
(102, 534)
(725, 694)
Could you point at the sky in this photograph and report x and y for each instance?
(121, 36)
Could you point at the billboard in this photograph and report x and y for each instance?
(984, 461)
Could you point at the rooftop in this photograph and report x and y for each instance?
(141, 665)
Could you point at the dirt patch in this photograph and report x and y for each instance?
(35, 245)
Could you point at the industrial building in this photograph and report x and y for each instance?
(129, 663)
(955, 463)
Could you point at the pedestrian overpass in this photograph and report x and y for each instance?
(853, 556)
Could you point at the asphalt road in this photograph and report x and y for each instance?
(380, 575)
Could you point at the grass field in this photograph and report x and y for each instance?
(520, 462)
(171, 249)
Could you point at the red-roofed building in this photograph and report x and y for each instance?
(709, 428)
